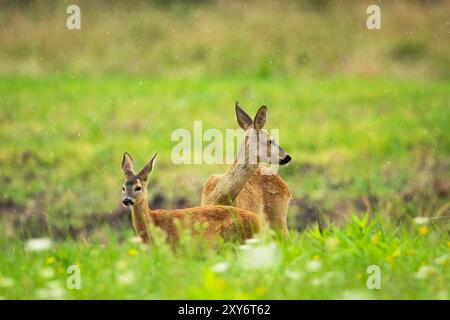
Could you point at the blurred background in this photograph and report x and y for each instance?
(226, 38)
(364, 113)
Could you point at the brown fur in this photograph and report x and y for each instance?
(244, 186)
(267, 195)
(210, 222)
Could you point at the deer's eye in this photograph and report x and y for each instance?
(123, 188)
(138, 189)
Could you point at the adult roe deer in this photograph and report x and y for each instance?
(227, 222)
(244, 184)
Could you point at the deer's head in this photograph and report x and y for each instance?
(259, 145)
(134, 190)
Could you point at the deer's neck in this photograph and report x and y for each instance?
(139, 215)
(234, 180)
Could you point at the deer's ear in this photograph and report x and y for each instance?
(243, 118)
(260, 118)
(143, 174)
(127, 165)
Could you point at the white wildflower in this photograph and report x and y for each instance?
(135, 240)
(421, 220)
(355, 295)
(126, 278)
(252, 241)
(424, 272)
(220, 267)
(260, 257)
(317, 282)
(443, 260)
(244, 247)
(325, 279)
(53, 291)
(294, 275)
(314, 265)
(6, 282)
(47, 273)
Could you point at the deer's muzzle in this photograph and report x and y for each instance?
(127, 201)
(285, 160)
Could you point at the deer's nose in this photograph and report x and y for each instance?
(286, 160)
(127, 201)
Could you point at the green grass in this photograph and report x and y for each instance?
(358, 145)
(314, 265)
(363, 113)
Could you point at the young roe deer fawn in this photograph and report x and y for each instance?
(227, 222)
(244, 185)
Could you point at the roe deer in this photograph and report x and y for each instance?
(227, 222)
(245, 185)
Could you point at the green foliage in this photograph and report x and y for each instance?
(331, 264)
(357, 144)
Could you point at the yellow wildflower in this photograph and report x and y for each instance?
(260, 290)
(443, 260)
(390, 258)
(132, 252)
(316, 257)
(425, 272)
(213, 283)
(50, 260)
(423, 230)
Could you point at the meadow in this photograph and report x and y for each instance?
(390, 164)
(366, 123)
(331, 264)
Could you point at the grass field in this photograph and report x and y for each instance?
(262, 38)
(315, 265)
(359, 146)
(62, 139)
